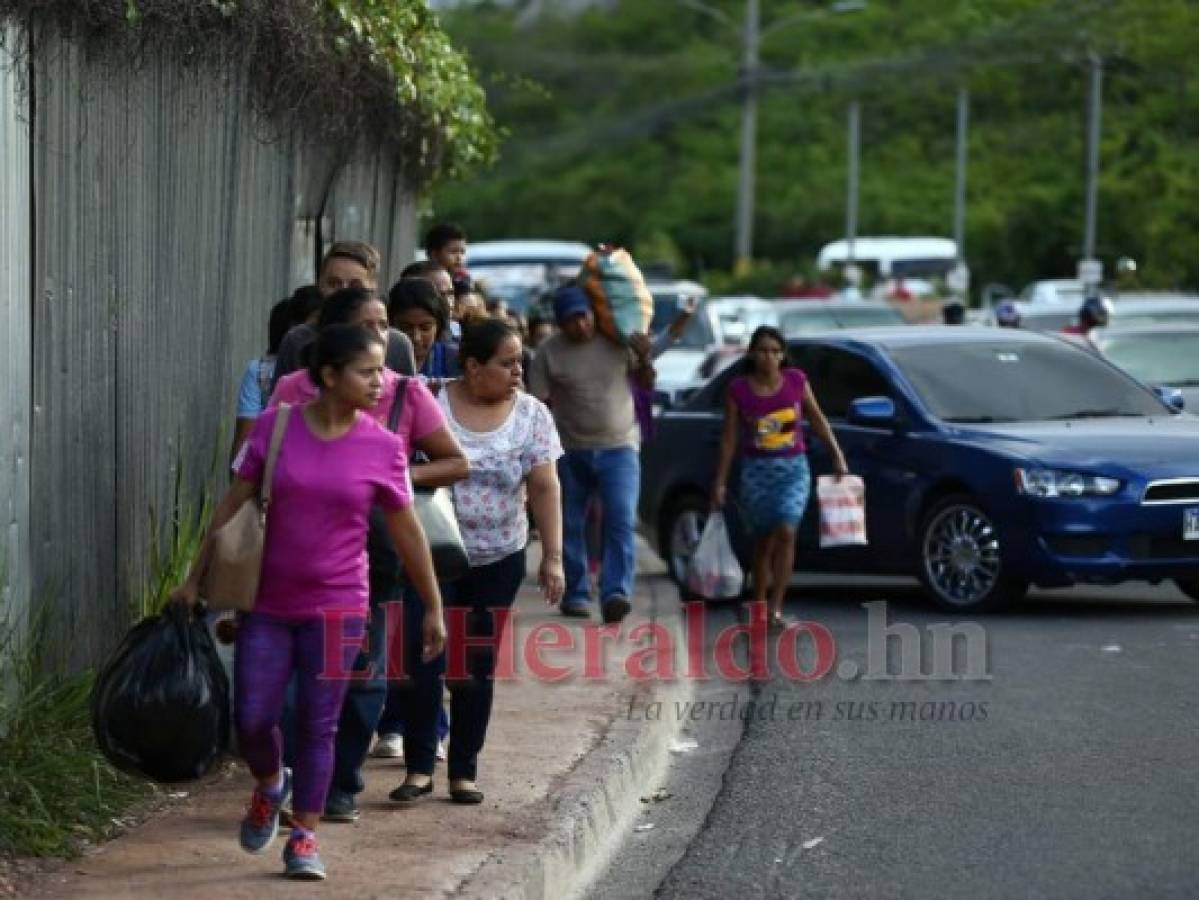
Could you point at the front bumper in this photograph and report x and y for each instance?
(1059, 542)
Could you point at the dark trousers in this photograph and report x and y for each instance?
(469, 603)
(365, 699)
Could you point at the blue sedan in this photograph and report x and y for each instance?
(994, 459)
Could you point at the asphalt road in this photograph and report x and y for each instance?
(1058, 763)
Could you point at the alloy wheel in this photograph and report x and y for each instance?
(961, 555)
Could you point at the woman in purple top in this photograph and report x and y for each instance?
(766, 405)
(335, 461)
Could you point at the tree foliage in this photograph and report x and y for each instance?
(624, 124)
(382, 72)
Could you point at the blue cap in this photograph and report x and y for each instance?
(570, 301)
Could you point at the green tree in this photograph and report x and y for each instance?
(623, 125)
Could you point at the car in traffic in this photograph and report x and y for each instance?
(994, 459)
(671, 297)
(1161, 356)
(919, 263)
(1151, 308)
(720, 325)
(520, 271)
(800, 317)
(1035, 318)
(1061, 292)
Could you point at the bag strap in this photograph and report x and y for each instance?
(272, 454)
(397, 404)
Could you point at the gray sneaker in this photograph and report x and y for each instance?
(302, 858)
(261, 824)
(341, 807)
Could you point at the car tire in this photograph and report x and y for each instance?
(679, 536)
(960, 559)
(1189, 586)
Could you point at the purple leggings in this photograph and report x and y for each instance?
(268, 651)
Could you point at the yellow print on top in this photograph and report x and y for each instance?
(777, 430)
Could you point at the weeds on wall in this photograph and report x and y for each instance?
(57, 792)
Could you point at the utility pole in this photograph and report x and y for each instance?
(959, 191)
(851, 199)
(752, 34)
(1094, 119)
(743, 249)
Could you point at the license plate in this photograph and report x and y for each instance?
(1190, 524)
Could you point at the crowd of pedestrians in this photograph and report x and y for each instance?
(365, 400)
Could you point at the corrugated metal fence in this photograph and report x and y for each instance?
(15, 374)
(164, 231)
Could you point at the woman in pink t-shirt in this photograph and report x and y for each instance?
(766, 406)
(334, 464)
(421, 428)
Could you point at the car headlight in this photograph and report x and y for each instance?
(1058, 483)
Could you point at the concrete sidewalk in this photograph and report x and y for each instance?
(562, 770)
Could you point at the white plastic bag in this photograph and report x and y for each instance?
(842, 511)
(713, 572)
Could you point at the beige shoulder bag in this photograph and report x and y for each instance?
(231, 579)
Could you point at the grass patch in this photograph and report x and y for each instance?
(57, 791)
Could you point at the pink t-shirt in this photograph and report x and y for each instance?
(314, 559)
(420, 417)
(771, 426)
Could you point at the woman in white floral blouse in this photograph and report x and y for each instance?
(513, 447)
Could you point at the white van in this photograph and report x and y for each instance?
(916, 260)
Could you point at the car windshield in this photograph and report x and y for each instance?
(1162, 358)
(1010, 381)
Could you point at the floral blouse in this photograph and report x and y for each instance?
(491, 503)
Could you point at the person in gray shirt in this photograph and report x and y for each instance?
(347, 264)
(585, 379)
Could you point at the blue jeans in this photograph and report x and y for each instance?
(613, 476)
(363, 704)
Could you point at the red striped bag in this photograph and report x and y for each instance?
(842, 511)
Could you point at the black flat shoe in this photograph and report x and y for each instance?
(469, 796)
(406, 793)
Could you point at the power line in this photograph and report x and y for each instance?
(990, 49)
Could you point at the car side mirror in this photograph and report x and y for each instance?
(1171, 396)
(872, 412)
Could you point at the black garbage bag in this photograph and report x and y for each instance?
(160, 706)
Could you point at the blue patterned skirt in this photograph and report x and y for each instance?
(774, 490)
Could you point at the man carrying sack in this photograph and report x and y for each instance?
(584, 377)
